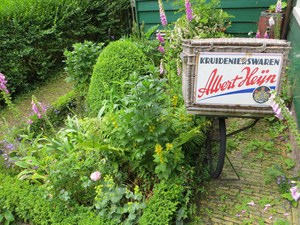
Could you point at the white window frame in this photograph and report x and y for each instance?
(296, 12)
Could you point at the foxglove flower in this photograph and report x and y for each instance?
(161, 49)
(295, 194)
(2, 82)
(257, 34)
(271, 21)
(43, 108)
(163, 17)
(278, 6)
(268, 205)
(95, 176)
(238, 215)
(251, 203)
(189, 11)
(178, 69)
(266, 35)
(29, 122)
(160, 38)
(35, 109)
(161, 69)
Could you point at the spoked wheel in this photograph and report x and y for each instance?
(216, 146)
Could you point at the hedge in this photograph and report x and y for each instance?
(35, 33)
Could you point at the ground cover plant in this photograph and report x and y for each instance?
(137, 157)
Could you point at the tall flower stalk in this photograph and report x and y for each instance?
(163, 17)
(7, 97)
(40, 110)
(282, 112)
(278, 19)
(189, 11)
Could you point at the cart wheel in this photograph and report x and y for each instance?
(216, 147)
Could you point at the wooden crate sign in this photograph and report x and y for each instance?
(236, 78)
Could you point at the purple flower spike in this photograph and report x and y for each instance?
(160, 38)
(163, 17)
(189, 11)
(161, 49)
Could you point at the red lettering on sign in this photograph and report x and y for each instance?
(215, 83)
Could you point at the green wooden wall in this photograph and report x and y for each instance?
(294, 70)
(246, 12)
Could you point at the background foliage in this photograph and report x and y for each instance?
(34, 35)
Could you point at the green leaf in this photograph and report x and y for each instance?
(25, 172)
(22, 164)
(9, 216)
(261, 222)
(295, 203)
(288, 196)
(1, 217)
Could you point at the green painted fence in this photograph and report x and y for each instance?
(246, 12)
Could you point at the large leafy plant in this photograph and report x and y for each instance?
(80, 63)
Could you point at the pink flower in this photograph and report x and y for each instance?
(270, 218)
(278, 6)
(163, 17)
(266, 209)
(161, 69)
(29, 122)
(268, 205)
(257, 34)
(266, 35)
(286, 214)
(243, 211)
(161, 49)
(178, 71)
(30, 160)
(189, 11)
(95, 176)
(251, 203)
(43, 108)
(238, 215)
(160, 38)
(295, 194)
(2, 82)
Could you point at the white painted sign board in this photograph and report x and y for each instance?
(236, 78)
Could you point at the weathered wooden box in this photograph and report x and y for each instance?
(232, 76)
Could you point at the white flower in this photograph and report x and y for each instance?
(271, 21)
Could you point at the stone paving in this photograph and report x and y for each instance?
(227, 196)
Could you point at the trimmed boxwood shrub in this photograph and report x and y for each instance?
(35, 33)
(115, 63)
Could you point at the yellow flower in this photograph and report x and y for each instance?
(116, 127)
(114, 123)
(112, 118)
(169, 146)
